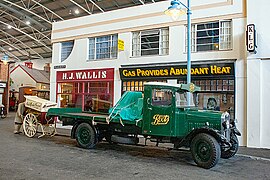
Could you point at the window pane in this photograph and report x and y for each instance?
(66, 48)
(212, 36)
(161, 97)
(103, 47)
(150, 42)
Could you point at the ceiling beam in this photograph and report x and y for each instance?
(33, 38)
(25, 9)
(19, 13)
(97, 6)
(141, 2)
(32, 29)
(24, 45)
(77, 4)
(44, 7)
(4, 51)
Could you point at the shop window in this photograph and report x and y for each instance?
(78, 87)
(135, 85)
(211, 36)
(98, 97)
(90, 96)
(150, 42)
(215, 94)
(104, 47)
(66, 48)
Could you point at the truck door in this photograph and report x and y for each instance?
(158, 115)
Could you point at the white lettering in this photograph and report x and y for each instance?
(79, 75)
(71, 76)
(84, 76)
(94, 75)
(64, 76)
(104, 74)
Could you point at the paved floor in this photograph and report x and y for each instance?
(59, 158)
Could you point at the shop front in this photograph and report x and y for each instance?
(217, 81)
(90, 89)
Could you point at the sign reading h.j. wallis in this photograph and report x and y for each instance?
(205, 70)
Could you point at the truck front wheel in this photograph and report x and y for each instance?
(86, 136)
(205, 150)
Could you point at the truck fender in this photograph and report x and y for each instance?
(236, 131)
(220, 138)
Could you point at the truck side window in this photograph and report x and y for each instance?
(180, 99)
(161, 97)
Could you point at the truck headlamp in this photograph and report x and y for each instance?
(225, 118)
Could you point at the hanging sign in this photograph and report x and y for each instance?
(121, 45)
(251, 38)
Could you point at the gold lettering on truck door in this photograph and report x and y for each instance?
(160, 119)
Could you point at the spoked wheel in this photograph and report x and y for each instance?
(205, 150)
(30, 125)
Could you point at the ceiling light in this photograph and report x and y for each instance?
(27, 22)
(77, 11)
(9, 26)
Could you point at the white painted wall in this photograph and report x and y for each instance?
(124, 21)
(258, 83)
(20, 77)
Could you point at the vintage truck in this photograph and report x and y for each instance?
(161, 114)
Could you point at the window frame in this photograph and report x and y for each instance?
(163, 42)
(222, 28)
(68, 49)
(111, 47)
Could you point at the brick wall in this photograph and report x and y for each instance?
(3, 72)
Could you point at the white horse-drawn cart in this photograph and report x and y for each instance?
(35, 117)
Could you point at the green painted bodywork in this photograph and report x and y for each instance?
(152, 120)
(181, 120)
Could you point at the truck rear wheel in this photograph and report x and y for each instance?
(86, 136)
(233, 150)
(205, 150)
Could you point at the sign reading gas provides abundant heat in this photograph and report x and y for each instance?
(206, 70)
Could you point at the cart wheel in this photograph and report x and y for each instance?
(30, 125)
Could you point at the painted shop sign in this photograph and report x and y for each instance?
(85, 75)
(205, 70)
(60, 67)
(251, 38)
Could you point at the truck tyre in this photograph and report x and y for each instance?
(205, 150)
(86, 136)
(233, 150)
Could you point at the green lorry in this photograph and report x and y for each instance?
(163, 114)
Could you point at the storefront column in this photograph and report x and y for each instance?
(253, 103)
